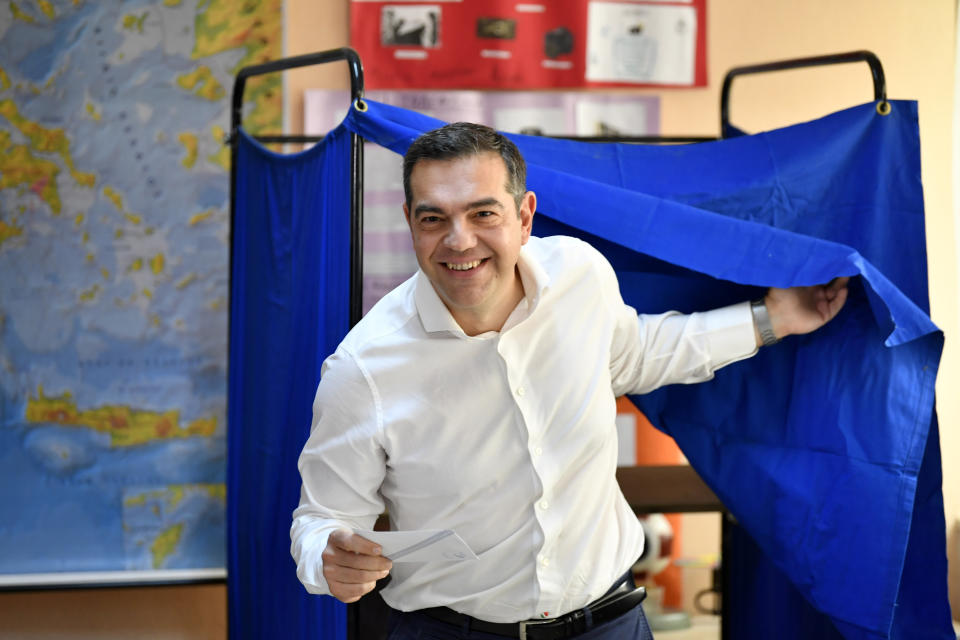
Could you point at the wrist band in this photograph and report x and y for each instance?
(761, 319)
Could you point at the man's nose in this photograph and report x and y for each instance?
(459, 237)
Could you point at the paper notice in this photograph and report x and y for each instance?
(645, 44)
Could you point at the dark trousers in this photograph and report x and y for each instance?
(417, 626)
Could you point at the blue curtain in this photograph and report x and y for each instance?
(825, 446)
(289, 303)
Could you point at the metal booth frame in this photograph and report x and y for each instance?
(648, 489)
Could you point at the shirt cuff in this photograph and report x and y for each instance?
(307, 554)
(730, 334)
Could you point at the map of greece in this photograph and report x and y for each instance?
(114, 215)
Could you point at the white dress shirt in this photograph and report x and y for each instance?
(507, 437)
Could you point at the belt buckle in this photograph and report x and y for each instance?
(529, 623)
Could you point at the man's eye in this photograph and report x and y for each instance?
(484, 214)
(430, 219)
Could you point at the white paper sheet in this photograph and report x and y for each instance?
(641, 43)
(425, 545)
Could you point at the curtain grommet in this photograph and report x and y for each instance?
(360, 105)
(883, 108)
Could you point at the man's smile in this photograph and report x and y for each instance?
(464, 266)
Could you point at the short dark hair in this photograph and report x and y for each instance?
(460, 139)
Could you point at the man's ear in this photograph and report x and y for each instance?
(528, 206)
(406, 214)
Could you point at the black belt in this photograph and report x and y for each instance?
(614, 604)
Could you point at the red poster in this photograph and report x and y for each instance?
(536, 44)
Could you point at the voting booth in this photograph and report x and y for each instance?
(823, 448)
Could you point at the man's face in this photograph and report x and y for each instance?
(467, 235)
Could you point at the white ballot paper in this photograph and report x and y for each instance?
(426, 545)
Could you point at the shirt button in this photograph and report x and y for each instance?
(544, 561)
(544, 505)
(538, 451)
(521, 391)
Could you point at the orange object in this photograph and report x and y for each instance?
(655, 448)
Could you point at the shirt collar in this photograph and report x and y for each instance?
(535, 278)
(433, 313)
(435, 316)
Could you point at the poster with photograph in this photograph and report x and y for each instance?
(410, 25)
(388, 257)
(448, 44)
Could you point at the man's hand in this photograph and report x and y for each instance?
(800, 310)
(352, 565)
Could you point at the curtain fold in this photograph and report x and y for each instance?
(289, 308)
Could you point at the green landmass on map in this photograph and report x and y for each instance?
(21, 168)
(165, 544)
(256, 26)
(174, 494)
(126, 426)
(45, 140)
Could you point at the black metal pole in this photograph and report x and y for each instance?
(726, 581)
(356, 228)
(876, 70)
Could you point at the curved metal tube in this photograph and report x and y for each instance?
(876, 70)
(352, 59)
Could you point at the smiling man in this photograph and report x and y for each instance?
(467, 233)
(480, 396)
